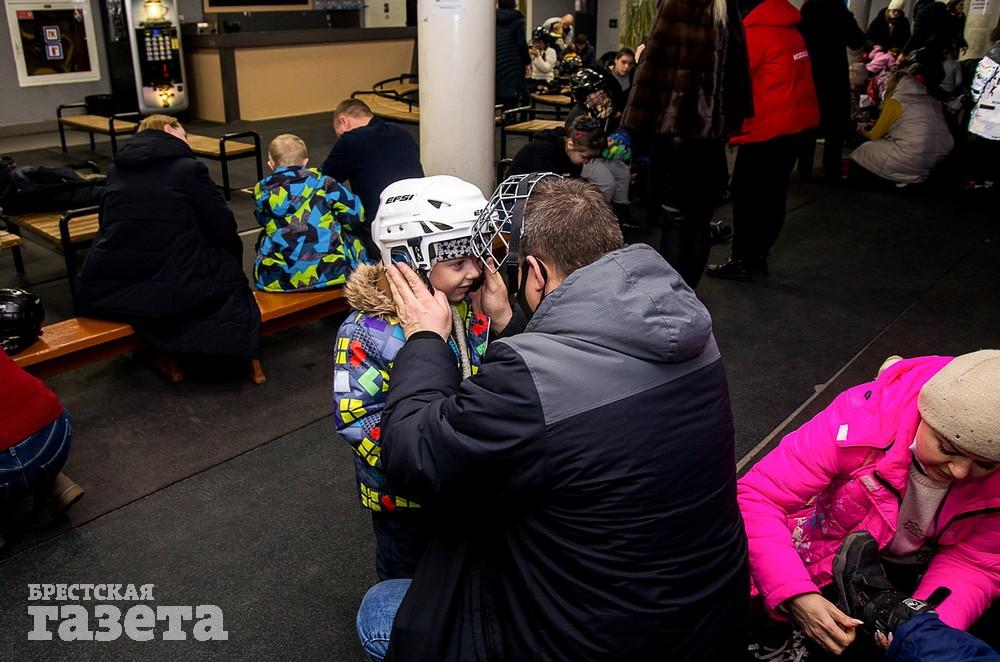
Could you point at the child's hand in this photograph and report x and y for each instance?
(823, 622)
(418, 309)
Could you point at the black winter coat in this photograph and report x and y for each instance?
(167, 257)
(583, 482)
(512, 55)
(880, 33)
(829, 29)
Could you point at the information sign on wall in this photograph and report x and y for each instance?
(53, 42)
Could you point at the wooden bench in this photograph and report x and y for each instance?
(64, 233)
(559, 101)
(79, 341)
(389, 106)
(223, 149)
(113, 126)
(13, 242)
(525, 128)
(403, 85)
(227, 148)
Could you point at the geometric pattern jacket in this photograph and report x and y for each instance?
(366, 346)
(309, 239)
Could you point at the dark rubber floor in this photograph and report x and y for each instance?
(221, 492)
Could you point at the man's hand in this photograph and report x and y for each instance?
(416, 308)
(823, 622)
(493, 301)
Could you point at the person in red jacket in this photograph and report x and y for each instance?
(35, 436)
(785, 106)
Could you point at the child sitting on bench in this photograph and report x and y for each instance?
(309, 224)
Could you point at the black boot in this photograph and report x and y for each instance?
(735, 268)
(867, 594)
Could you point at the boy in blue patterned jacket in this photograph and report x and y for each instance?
(310, 224)
(427, 223)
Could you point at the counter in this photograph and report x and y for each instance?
(283, 73)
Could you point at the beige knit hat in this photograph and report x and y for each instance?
(896, 4)
(962, 403)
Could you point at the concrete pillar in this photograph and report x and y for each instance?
(457, 54)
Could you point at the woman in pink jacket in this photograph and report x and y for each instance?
(910, 458)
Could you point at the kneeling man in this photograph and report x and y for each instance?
(583, 483)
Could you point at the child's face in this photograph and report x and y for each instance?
(946, 462)
(455, 277)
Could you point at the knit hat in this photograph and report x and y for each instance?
(962, 403)
(896, 4)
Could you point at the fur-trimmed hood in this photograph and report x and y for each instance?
(367, 291)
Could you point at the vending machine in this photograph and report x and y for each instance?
(145, 57)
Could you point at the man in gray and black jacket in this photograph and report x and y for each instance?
(583, 483)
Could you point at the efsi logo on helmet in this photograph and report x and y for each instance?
(399, 198)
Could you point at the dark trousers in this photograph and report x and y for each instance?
(833, 153)
(684, 185)
(760, 192)
(400, 540)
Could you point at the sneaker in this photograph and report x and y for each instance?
(734, 268)
(792, 649)
(65, 492)
(865, 591)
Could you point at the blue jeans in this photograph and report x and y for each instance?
(925, 638)
(376, 614)
(36, 461)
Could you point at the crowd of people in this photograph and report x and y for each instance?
(514, 517)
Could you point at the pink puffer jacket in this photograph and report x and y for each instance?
(846, 470)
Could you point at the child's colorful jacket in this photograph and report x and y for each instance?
(367, 344)
(309, 240)
(847, 470)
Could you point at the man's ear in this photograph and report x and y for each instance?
(536, 271)
(305, 162)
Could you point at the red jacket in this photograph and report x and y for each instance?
(26, 406)
(784, 98)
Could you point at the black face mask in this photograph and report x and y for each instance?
(522, 300)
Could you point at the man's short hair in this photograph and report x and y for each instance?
(625, 51)
(157, 122)
(287, 150)
(569, 224)
(581, 39)
(352, 108)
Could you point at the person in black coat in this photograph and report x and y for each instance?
(829, 29)
(167, 257)
(512, 55)
(890, 28)
(583, 481)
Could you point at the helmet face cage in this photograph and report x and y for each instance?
(497, 232)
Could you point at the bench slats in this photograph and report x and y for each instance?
(553, 99)
(8, 240)
(531, 127)
(46, 226)
(72, 336)
(208, 146)
(98, 124)
(390, 108)
(75, 342)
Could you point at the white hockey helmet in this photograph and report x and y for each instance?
(426, 220)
